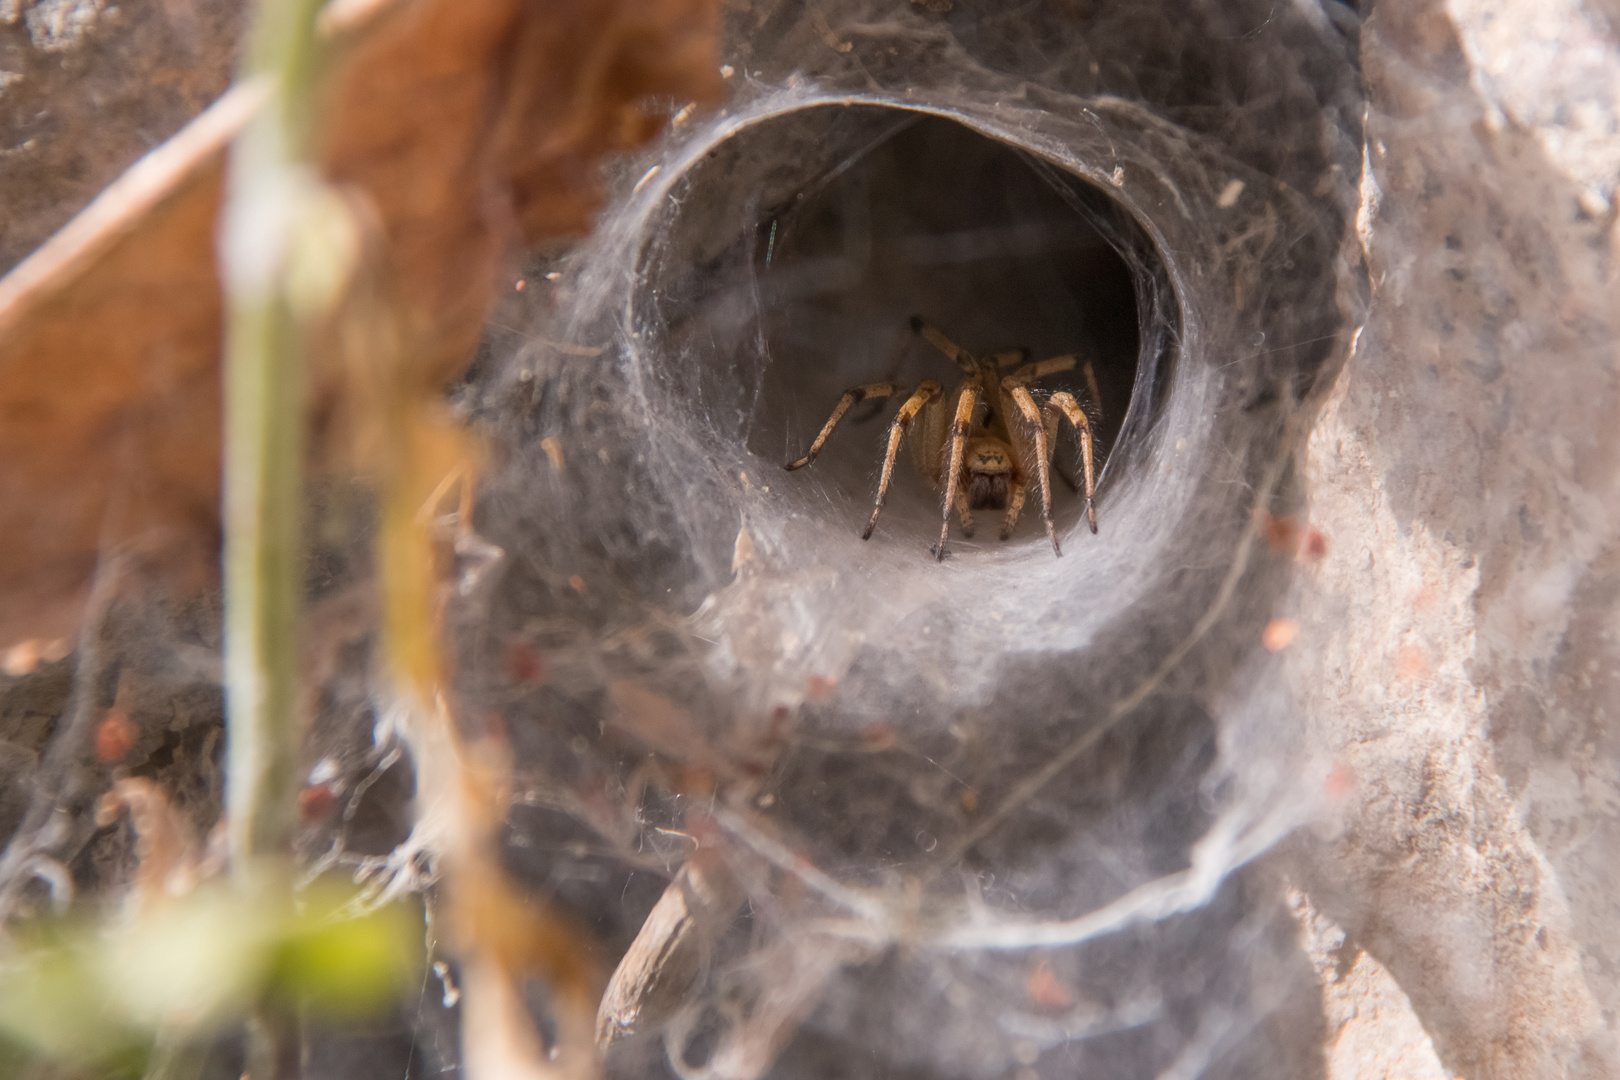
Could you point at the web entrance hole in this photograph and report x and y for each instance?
(971, 234)
(820, 232)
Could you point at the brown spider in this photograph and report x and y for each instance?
(984, 457)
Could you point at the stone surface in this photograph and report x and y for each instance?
(1458, 650)
(87, 87)
(1371, 1028)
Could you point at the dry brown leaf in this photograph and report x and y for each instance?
(109, 385)
(468, 127)
(455, 132)
(669, 951)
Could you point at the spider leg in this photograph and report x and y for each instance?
(1053, 419)
(851, 396)
(1064, 473)
(1031, 415)
(1091, 384)
(958, 355)
(1007, 359)
(1030, 372)
(965, 511)
(1015, 503)
(1071, 409)
(928, 391)
(960, 426)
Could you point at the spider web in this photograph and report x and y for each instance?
(994, 816)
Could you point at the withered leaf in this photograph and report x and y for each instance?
(671, 949)
(470, 128)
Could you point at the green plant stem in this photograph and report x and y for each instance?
(264, 446)
(263, 484)
(263, 480)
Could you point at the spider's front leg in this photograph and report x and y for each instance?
(928, 391)
(954, 352)
(1070, 408)
(1015, 503)
(964, 511)
(1030, 372)
(960, 426)
(1031, 415)
(851, 396)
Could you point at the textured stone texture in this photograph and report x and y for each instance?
(87, 87)
(1371, 1028)
(1459, 652)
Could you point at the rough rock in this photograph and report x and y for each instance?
(1459, 654)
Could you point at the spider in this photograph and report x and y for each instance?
(984, 453)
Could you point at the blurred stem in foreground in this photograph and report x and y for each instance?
(264, 452)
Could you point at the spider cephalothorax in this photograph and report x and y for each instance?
(985, 451)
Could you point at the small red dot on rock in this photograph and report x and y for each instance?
(1313, 546)
(115, 736)
(1279, 634)
(1280, 533)
(524, 663)
(1340, 779)
(879, 737)
(315, 802)
(1046, 989)
(819, 688)
(1411, 663)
